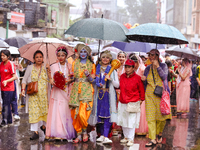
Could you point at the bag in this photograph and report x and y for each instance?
(33, 86)
(158, 91)
(133, 107)
(165, 103)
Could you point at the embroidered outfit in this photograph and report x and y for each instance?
(59, 121)
(81, 97)
(104, 111)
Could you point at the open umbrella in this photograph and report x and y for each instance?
(17, 41)
(13, 50)
(156, 33)
(185, 52)
(98, 28)
(47, 45)
(136, 46)
(3, 44)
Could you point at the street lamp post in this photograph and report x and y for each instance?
(7, 22)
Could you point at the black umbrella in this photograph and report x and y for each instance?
(17, 41)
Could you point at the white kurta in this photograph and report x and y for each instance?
(126, 119)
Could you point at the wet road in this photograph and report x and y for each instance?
(179, 134)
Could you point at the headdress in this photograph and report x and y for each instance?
(107, 54)
(62, 49)
(79, 47)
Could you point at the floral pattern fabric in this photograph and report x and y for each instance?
(38, 103)
(81, 91)
(152, 102)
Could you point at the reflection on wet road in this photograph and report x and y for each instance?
(179, 134)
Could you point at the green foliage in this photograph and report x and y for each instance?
(83, 40)
(42, 21)
(54, 36)
(144, 11)
(197, 147)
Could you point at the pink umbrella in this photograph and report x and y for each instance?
(47, 45)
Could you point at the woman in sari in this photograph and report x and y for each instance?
(183, 87)
(81, 97)
(59, 121)
(139, 70)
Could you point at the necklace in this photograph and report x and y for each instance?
(98, 73)
(65, 69)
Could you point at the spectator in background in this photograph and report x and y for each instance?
(194, 83)
(8, 75)
(183, 87)
(172, 86)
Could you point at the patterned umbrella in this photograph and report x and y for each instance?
(47, 45)
(156, 33)
(98, 28)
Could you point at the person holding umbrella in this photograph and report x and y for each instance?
(38, 102)
(155, 75)
(81, 97)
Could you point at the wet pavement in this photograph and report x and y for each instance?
(180, 133)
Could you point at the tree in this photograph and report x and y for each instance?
(143, 11)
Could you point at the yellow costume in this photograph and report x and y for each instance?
(81, 97)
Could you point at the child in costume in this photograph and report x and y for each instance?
(81, 97)
(104, 111)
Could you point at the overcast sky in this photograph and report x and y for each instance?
(78, 2)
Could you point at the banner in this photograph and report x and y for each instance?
(17, 18)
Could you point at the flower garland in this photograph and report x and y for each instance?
(98, 73)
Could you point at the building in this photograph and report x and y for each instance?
(195, 24)
(177, 13)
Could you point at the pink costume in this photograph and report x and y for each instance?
(183, 90)
(143, 127)
(59, 121)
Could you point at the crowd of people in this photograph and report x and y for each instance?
(122, 102)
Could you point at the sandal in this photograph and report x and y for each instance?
(85, 138)
(44, 130)
(150, 144)
(77, 140)
(158, 139)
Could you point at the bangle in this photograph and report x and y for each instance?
(23, 89)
